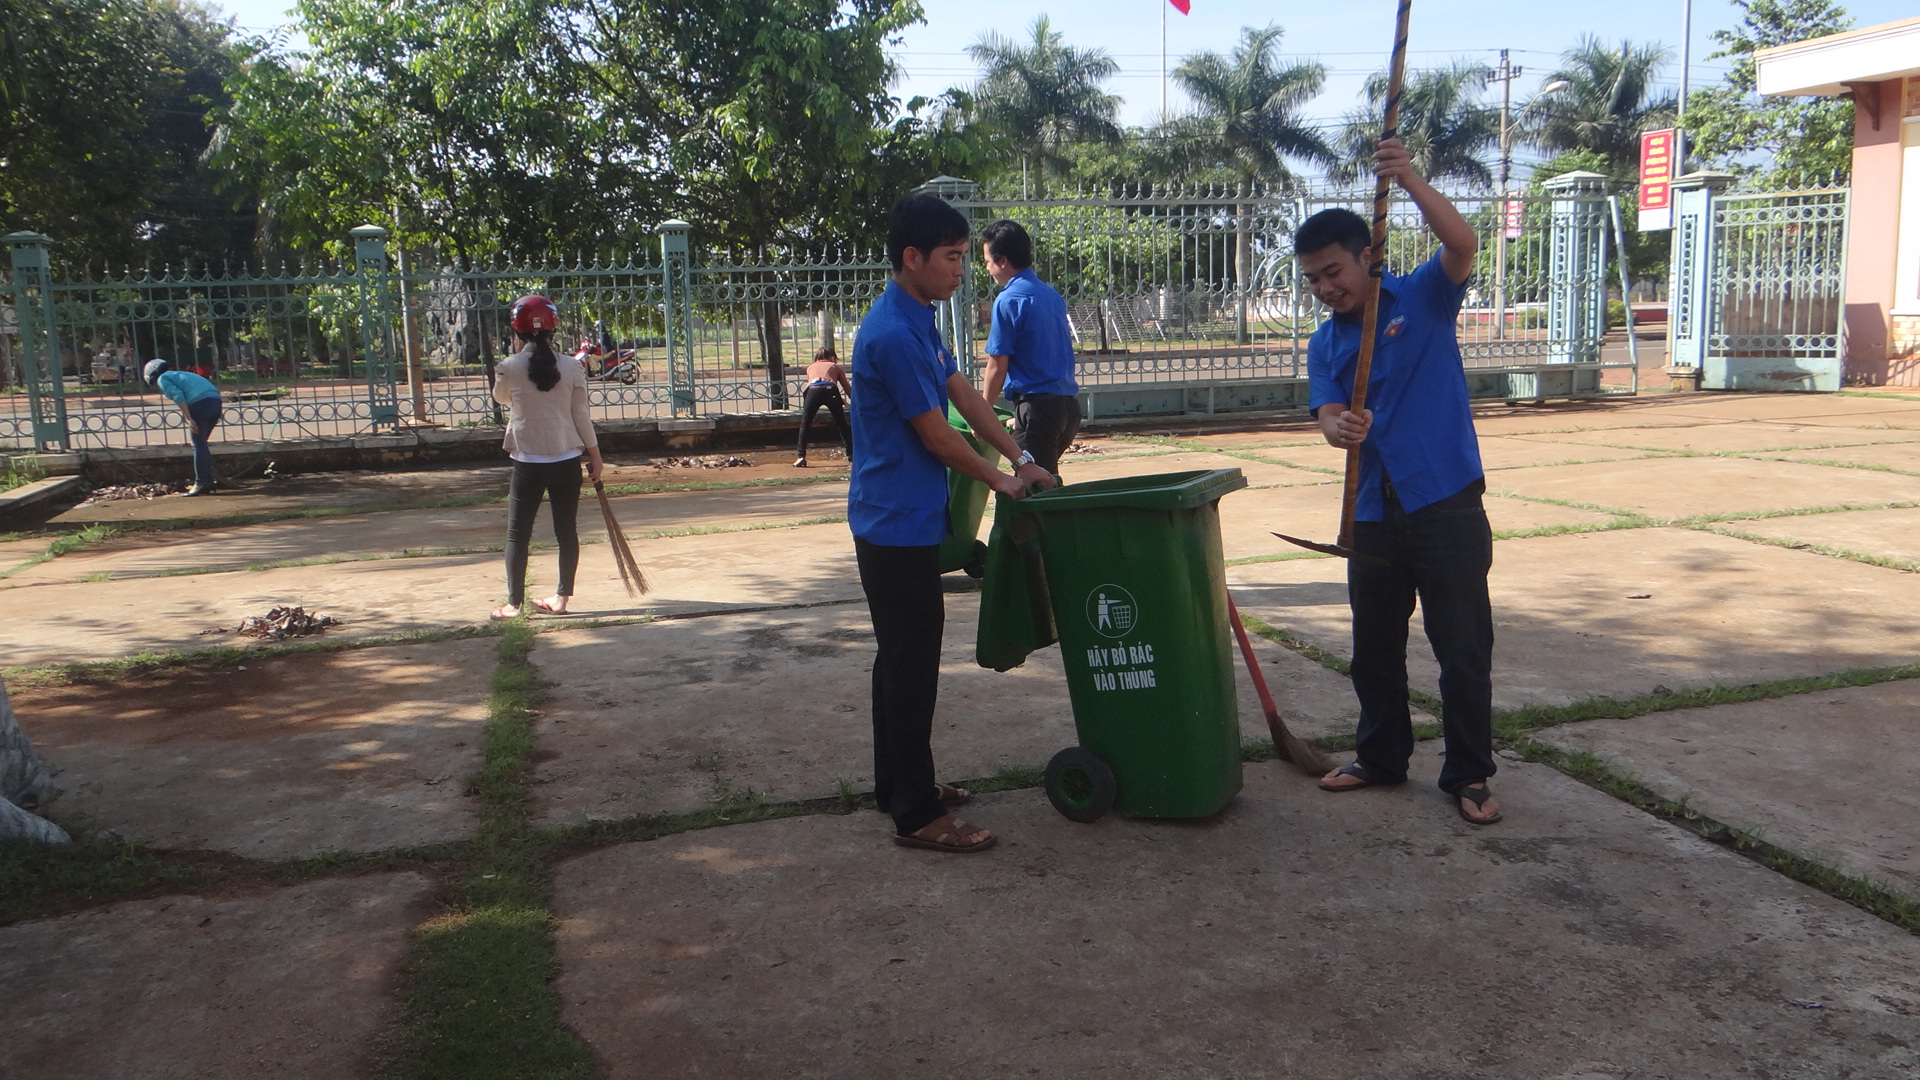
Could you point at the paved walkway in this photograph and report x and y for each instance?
(1664, 554)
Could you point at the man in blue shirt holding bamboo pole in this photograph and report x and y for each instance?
(1419, 513)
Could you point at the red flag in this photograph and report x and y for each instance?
(1185, 7)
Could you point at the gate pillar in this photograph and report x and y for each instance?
(1689, 301)
(376, 325)
(1577, 267)
(676, 293)
(39, 343)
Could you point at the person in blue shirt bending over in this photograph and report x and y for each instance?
(897, 509)
(1029, 348)
(1420, 485)
(199, 402)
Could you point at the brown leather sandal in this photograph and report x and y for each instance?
(947, 834)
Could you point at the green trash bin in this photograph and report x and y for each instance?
(966, 505)
(1128, 576)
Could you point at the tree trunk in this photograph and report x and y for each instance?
(25, 781)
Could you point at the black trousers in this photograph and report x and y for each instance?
(1044, 425)
(829, 396)
(560, 482)
(909, 616)
(1440, 553)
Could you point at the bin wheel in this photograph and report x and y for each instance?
(976, 566)
(1079, 784)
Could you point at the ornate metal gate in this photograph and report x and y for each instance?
(1759, 282)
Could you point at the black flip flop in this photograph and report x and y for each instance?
(1479, 798)
(1367, 777)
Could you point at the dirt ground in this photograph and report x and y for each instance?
(1297, 933)
(275, 757)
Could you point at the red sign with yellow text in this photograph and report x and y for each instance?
(1656, 178)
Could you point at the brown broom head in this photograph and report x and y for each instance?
(630, 575)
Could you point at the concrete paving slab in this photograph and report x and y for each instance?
(1258, 473)
(1731, 436)
(1887, 534)
(285, 982)
(1773, 768)
(1558, 416)
(280, 757)
(69, 623)
(1296, 934)
(1516, 452)
(678, 714)
(1671, 488)
(1567, 626)
(375, 535)
(1281, 432)
(1806, 408)
(1903, 455)
(1248, 519)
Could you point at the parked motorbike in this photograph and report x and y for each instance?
(613, 365)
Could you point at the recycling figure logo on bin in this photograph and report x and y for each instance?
(1112, 611)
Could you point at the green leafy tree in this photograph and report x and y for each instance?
(1790, 140)
(465, 124)
(1442, 120)
(104, 125)
(1044, 97)
(1246, 124)
(1608, 101)
(1246, 121)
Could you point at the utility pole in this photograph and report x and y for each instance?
(1686, 61)
(1506, 73)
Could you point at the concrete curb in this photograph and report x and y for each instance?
(22, 499)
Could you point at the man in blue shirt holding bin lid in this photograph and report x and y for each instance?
(897, 509)
(1419, 511)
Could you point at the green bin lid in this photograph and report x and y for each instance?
(1160, 491)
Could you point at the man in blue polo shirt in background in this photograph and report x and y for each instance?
(1419, 507)
(897, 509)
(1029, 348)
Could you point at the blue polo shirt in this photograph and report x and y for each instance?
(1422, 433)
(1030, 326)
(185, 388)
(898, 493)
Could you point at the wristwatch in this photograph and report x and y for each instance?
(1025, 458)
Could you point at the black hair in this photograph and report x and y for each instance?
(543, 367)
(1009, 241)
(1330, 228)
(923, 222)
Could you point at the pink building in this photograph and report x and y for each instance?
(1880, 68)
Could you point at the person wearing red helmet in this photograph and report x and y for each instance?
(548, 433)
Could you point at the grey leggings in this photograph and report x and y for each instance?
(559, 481)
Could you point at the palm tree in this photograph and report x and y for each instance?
(1442, 121)
(1246, 121)
(1607, 102)
(1043, 95)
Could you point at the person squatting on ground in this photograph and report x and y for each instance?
(897, 509)
(199, 402)
(1419, 504)
(1029, 348)
(548, 432)
(826, 383)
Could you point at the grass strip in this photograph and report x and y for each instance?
(1515, 723)
(1869, 896)
(1819, 549)
(476, 997)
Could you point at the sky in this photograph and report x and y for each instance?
(1350, 37)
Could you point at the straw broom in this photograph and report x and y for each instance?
(630, 575)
